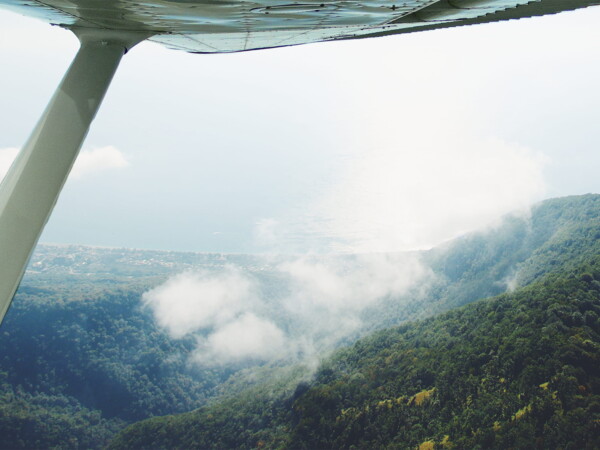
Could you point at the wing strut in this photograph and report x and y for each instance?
(31, 187)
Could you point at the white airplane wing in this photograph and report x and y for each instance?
(217, 26)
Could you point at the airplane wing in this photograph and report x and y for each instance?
(218, 26)
(108, 28)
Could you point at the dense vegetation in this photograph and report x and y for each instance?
(81, 358)
(42, 420)
(522, 370)
(518, 371)
(78, 367)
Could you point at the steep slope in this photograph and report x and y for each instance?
(555, 235)
(518, 371)
(77, 365)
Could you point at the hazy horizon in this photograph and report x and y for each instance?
(376, 145)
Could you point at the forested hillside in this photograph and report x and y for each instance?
(518, 371)
(82, 356)
(555, 235)
(81, 368)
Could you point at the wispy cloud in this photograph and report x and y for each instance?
(222, 310)
(327, 296)
(88, 161)
(192, 302)
(313, 303)
(248, 337)
(98, 159)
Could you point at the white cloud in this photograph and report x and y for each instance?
(221, 310)
(190, 302)
(248, 337)
(88, 161)
(98, 159)
(327, 296)
(348, 285)
(318, 302)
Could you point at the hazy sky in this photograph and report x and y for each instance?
(379, 144)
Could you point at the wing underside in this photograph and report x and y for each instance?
(221, 26)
